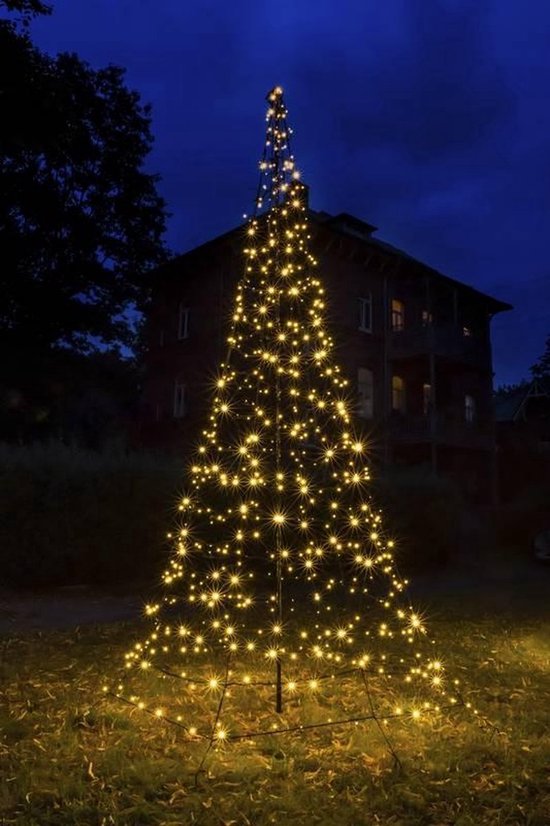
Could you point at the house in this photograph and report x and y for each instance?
(415, 344)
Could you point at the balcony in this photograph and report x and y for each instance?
(445, 341)
(443, 429)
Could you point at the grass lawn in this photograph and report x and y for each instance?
(66, 760)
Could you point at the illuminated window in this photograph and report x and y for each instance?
(180, 399)
(183, 322)
(398, 394)
(426, 398)
(365, 391)
(469, 408)
(466, 332)
(365, 314)
(397, 315)
(427, 318)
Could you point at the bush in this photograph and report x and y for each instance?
(423, 512)
(72, 516)
(520, 520)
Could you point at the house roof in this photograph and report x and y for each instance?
(349, 225)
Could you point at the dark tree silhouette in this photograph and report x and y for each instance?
(24, 10)
(31, 7)
(541, 368)
(81, 221)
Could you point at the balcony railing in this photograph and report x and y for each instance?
(442, 429)
(447, 341)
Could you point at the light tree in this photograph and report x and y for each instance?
(282, 580)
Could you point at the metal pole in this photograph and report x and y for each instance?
(279, 571)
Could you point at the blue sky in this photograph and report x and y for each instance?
(428, 118)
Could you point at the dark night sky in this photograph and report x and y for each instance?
(427, 118)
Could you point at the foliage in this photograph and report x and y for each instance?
(31, 7)
(541, 368)
(527, 514)
(503, 391)
(82, 400)
(425, 513)
(71, 516)
(68, 760)
(81, 222)
(26, 9)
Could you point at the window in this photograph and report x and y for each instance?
(183, 322)
(466, 332)
(426, 399)
(469, 408)
(180, 400)
(365, 314)
(427, 318)
(365, 391)
(398, 394)
(397, 315)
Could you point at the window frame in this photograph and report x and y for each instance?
(426, 317)
(365, 308)
(470, 408)
(426, 398)
(183, 321)
(365, 405)
(397, 315)
(401, 390)
(179, 408)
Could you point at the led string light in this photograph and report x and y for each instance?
(282, 572)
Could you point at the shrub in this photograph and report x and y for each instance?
(69, 515)
(423, 512)
(74, 516)
(527, 514)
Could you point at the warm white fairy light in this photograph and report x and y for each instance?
(278, 493)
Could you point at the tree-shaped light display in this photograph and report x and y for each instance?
(282, 581)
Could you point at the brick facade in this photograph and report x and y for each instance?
(424, 349)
